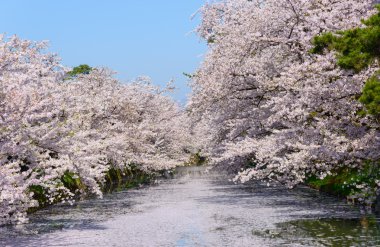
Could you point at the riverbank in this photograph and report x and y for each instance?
(356, 185)
(115, 179)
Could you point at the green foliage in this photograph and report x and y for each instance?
(71, 181)
(371, 95)
(115, 180)
(373, 20)
(356, 48)
(68, 179)
(250, 164)
(130, 177)
(322, 42)
(211, 40)
(81, 69)
(190, 76)
(343, 181)
(39, 194)
(197, 160)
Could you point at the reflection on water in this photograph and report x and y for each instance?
(363, 231)
(199, 209)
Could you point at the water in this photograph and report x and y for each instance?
(197, 209)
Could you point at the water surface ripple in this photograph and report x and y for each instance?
(197, 209)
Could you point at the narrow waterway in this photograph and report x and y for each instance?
(198, 209)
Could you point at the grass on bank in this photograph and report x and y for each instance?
(116, 179)
(356, 184)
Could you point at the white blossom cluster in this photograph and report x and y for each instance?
(260, 96)
(51, 124)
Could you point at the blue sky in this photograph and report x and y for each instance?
(132, 37)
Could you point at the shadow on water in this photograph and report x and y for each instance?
(299, 199)
(84, 215)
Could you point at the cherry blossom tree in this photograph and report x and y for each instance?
(53, 124)
(270, 106)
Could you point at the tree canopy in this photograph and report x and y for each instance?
(357, 49)
(268, 108)
(82, 69)
(54, 134)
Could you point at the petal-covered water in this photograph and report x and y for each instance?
(197, 209)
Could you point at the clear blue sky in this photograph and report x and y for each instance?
(132, 37)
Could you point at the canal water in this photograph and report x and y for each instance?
(196, 208)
